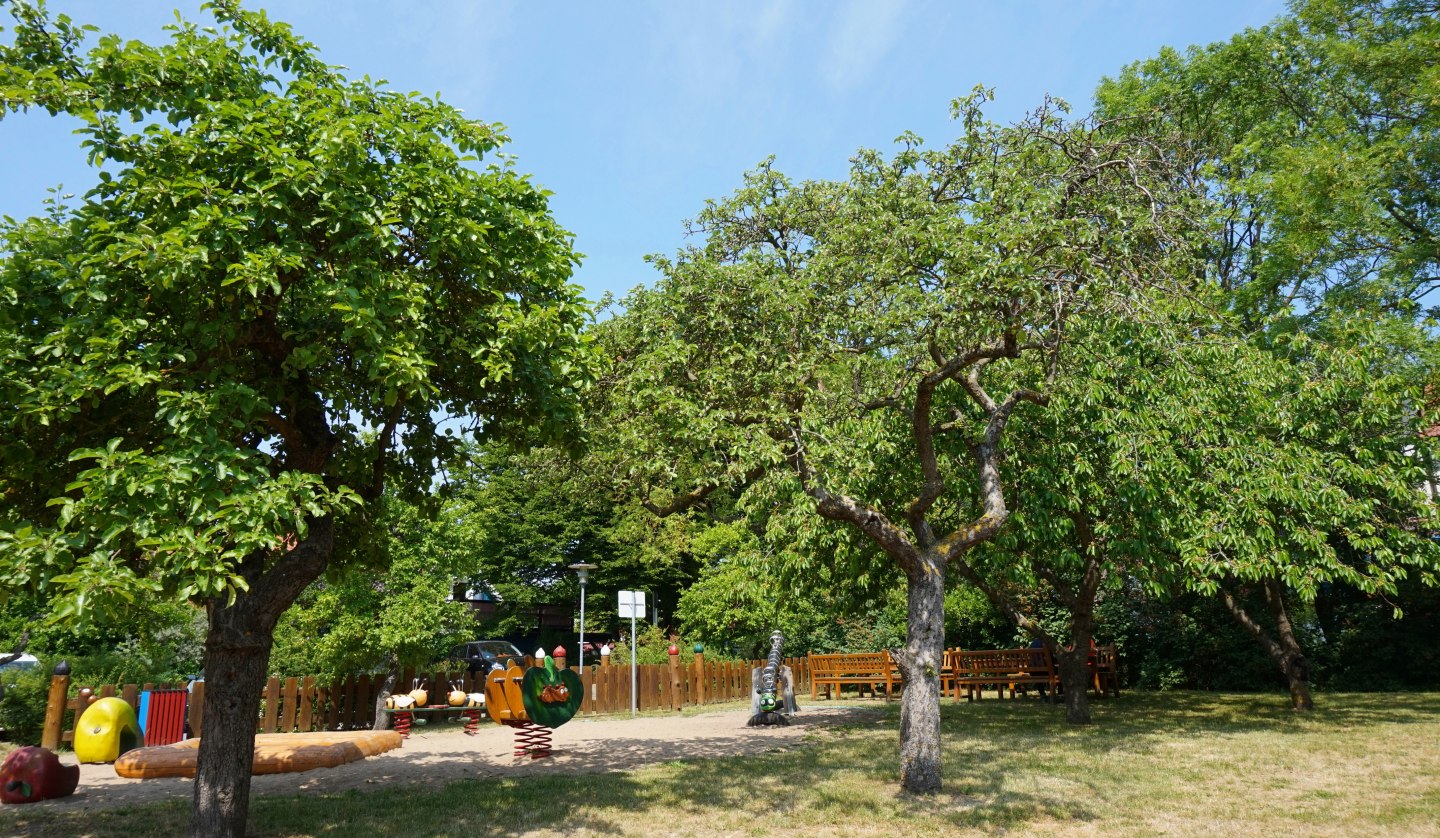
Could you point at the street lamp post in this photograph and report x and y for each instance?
(583, 570)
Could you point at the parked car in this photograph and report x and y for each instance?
(485, 655)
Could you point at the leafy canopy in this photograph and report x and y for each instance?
(282, 284)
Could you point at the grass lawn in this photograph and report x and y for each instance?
(1180, 764)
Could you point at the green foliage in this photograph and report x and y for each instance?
(392, 611)
(254, 327)
(973, 622)
(23, 694)
(514, 520)
(799, 355)
(652, 645)
(283, 281)
(1359, 645)
(739, 598)
(152, 640)
(1317, 134)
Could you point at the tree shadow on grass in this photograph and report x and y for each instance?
(1136, 717)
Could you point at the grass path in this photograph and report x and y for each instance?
(1178, 764)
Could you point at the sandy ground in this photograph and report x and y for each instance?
(447, 754)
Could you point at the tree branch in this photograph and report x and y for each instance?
(695, 496)
(876, 526)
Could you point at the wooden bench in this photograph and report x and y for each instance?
(869, 669)
(1001, 669)
(1105, 671)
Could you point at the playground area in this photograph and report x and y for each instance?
(434, 756)
(1183, 764)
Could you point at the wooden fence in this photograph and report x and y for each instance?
(298, 705)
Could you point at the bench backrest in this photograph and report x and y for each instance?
(1003, 662)
(864, 663)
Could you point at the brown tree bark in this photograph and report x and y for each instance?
(920, 663)
(392, 672)
(237, 654)
(1074, 665)
(19, 647)
(1074, 668)
(1283, 648)
(921, 552)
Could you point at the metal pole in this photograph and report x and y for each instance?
(633, 688)
(582, 624)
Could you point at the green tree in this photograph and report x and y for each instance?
(1214, 464)
(1317, 136)
(521, 517)
(250, 328)
(742, 595)
(1340, 498)
(855, 350)
(388, 609)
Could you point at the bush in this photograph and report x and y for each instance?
(652, 647)
(23, 693)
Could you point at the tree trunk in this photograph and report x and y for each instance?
(1293, 662)
(920, 664)
(1075, 671)
(1284, 649)
(237, 654)
(392, 672)
(1074, 667)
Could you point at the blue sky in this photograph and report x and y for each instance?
(634, 114)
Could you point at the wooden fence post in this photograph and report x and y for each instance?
(55, 706)
(697, 693)
(197, 708)
(287, 705)
(272, 705)
(674, 677)
(307, 703)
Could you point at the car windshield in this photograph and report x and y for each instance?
(491, 649)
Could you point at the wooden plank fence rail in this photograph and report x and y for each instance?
(298, 704)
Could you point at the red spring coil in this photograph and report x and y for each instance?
(402, 723)
(532, 739)
(472, 721)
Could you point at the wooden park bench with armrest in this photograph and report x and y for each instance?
(1001, 669)
(869, 669)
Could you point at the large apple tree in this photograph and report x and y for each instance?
(283, 281)
(853, 351)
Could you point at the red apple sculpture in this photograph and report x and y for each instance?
(30, 774)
